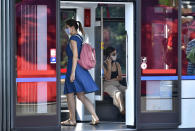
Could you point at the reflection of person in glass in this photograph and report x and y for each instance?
(112, 76)
(78, 80)
(191, 66)
(172, 45)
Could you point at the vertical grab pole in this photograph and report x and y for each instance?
(102, 49)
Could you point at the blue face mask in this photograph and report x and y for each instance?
(67, 30)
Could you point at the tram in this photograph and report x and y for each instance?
(150, 36)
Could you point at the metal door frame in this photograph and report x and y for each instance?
(13, 87)
(10, 49)
(5, 67)
(1, 98)
(138, 70)
(9, 61)
(124, 2)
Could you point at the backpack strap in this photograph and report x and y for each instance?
(79, 37)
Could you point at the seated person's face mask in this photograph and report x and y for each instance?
(113, 57)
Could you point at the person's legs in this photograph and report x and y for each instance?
(118, 97)
(115, 93)
(111, 90)
(122, 88)
(81, 96)
(71, 108)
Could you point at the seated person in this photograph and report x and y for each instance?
(112, 76)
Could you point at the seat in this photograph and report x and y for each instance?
(106, 111)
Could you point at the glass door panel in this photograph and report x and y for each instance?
(160, 82)
(36, 100)
(188, 38)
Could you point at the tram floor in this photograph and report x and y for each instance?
(103, 126)
(112, 126)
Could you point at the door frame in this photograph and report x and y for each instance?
(138, 72)
(6, 61)
(131, 3)
(1, 84)
(137, 60)
(13, 87)
(130, 64)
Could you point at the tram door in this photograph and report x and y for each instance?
(159, 93)
(36, 92)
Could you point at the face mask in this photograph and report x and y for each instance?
(67, 30)
(113, 57)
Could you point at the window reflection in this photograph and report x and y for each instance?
(159, 55)
(188, 36)
(36, 68)
(158, 96)
(159, 29)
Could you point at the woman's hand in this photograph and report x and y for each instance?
(72, 77)
(108, 62)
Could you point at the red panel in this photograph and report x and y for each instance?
(27, 92)
(63, 70)
(159, 71)
(26, 74)
(87, 17)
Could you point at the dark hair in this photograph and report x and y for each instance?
(77, 25)
(108, 51)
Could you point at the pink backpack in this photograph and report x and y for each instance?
(87, 56)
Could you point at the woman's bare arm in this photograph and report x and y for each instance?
(107, 72)
(119, 77)
(75, 55)
(119, 72)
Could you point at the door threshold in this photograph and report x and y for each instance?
(103, 126)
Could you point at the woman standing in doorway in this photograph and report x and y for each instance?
(78, 80)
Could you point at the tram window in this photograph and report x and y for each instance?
(188, 36)
(114, 37)
(111, 11)
(114, 30)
